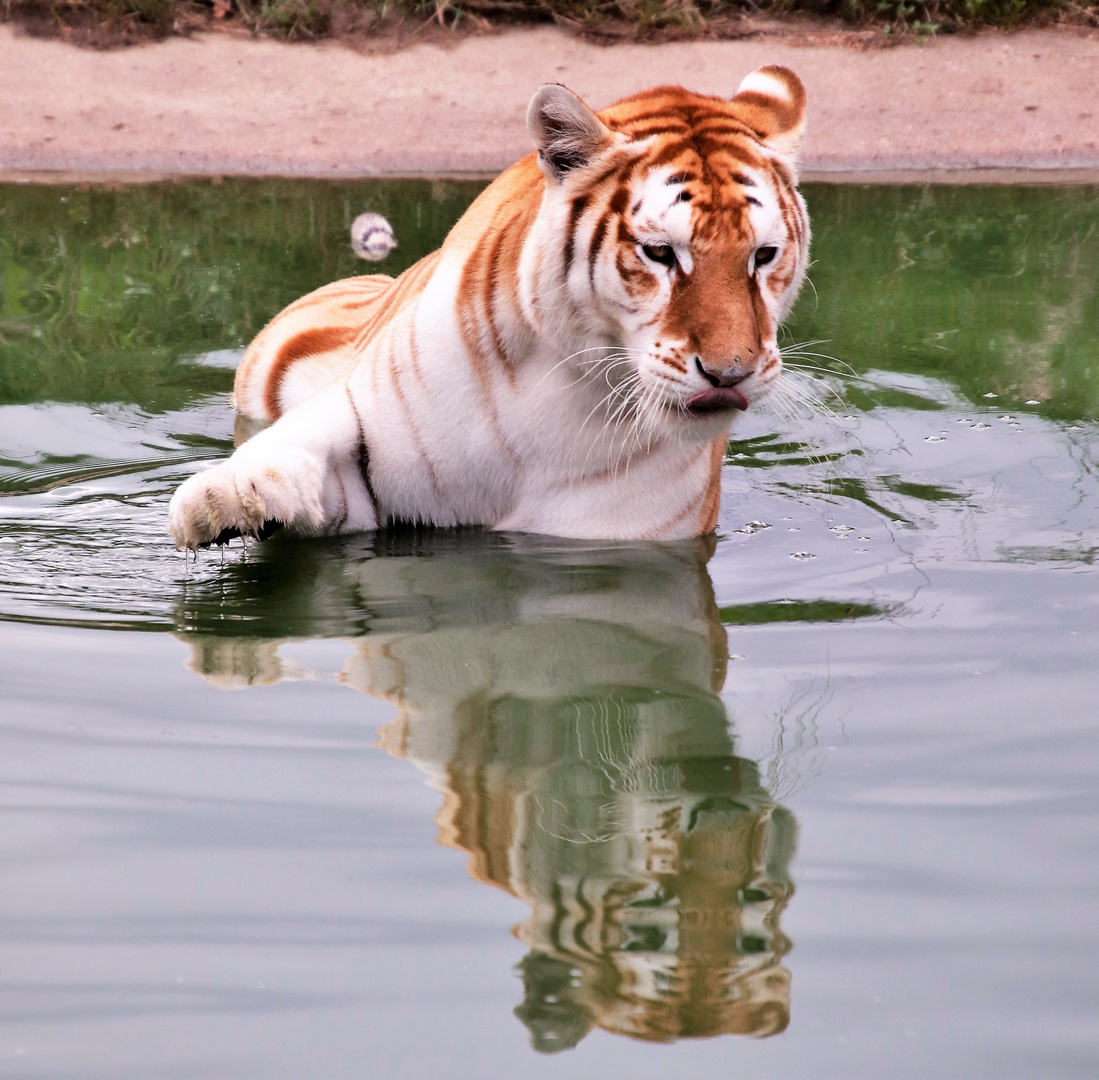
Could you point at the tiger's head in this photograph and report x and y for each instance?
(685, 242)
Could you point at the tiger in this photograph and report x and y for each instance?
(568, 363)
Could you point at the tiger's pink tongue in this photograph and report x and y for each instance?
(720, 397)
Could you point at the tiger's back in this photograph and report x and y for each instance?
(307, 346)
(318, 339)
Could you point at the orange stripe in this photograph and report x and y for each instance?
(662, 532)
(420, 448)
(413, 352)
(324, 298)
(401, 293)
(711, 504)
(315, 342)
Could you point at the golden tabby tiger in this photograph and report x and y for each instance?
(571, 359)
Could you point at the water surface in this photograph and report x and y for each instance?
(817, 799)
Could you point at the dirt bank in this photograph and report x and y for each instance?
(217, 104)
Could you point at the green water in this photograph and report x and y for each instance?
(461, 805)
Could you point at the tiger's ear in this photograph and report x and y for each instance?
(567, 133)
(771, 101)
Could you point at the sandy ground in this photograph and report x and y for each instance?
(218, 104)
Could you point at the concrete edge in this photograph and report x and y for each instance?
(946, 177)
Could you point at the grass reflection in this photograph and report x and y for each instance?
(994, 290)
(785, 611)
(105, 293)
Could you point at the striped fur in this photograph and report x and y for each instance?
(571, 359)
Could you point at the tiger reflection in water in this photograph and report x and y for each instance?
(563, 700)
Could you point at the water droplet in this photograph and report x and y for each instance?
(963, 420)
(1034, 401)
(751, 527)
(991, 395)
(860, 551)
(842, 528)
(864, 537)
(737, 656)
(981, 427)
(793, 530)
(802, 555)
(1007, 417)
(935, 438)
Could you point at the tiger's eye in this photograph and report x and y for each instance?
(764, 255)
(659, 253)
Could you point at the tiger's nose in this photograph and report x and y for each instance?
(728, 375)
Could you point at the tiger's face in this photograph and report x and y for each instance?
(685, 244)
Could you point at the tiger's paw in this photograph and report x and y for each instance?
(243, 498)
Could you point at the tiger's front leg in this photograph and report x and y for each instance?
(309, 471)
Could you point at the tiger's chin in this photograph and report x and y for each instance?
(679, 425)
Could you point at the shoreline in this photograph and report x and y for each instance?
(991, 108)
(1006, 177)
(1017, 177)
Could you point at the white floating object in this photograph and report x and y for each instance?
(372, 237)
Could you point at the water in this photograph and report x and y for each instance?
(818, 800)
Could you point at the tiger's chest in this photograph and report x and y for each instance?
(529, 450)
